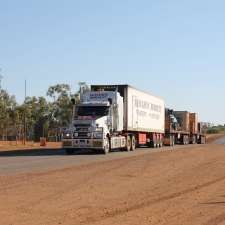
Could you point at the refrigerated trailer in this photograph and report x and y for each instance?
(120, 117)
(144, 114)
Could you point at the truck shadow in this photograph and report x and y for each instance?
(43, 152)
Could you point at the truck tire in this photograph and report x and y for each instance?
(158, 142)
(161, 143)
(154, 144)
(172, 141)
(106, 147)
(184, 140)
(133, 143)
(203, 140)
(128, 145)
(193, 140)
(69, 151)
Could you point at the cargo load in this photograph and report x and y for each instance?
(183, 118)
(194, 123)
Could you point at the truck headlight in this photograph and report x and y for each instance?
(67, 135)
(88, 134)
(76, 134)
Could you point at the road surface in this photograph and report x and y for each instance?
(184, 186)
(220, 141)
(40, 160)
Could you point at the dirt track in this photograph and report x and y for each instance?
(180, 187)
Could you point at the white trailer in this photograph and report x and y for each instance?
(144, 114)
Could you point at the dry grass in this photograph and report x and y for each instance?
(14, 145)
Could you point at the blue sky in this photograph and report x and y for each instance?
(171, 48)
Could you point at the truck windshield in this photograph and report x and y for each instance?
(92, 111)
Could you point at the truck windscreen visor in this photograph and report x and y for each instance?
(92, 111)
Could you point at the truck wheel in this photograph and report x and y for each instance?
(203, 140)
(133, 143)
(161, 144)
(128, 146)
(69, 151)
(107, 146)
(157, 142)
(172, 141)
(193, 140)
(184, 142)
(188, 140)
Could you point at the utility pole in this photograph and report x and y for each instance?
(25, 122)
(1, 77)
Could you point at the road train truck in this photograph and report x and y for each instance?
(116, 117)
(121, 117)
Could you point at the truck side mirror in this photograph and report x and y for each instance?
(73, 101)
(110, 101)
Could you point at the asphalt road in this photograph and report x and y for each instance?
(28, 161)
(220, 141)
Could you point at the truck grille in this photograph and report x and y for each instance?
(82, 135)
(82, 131)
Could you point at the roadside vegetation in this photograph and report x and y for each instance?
(37, 117)
(216, 129)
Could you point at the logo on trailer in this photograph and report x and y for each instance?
(98, 96)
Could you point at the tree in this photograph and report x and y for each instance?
(58, 90)
(61, 105)
(38, 112)
(42, 116)
(7, 105)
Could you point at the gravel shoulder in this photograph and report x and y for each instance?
(169, 187)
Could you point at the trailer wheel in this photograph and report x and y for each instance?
(106, 147)
(193, 140)
(153, 143)
(172, 141)
(161, 143)
(184, 142)
(203, 140)
(69, 151)
(187, 140)
(157, 142)
(128, 146)
(133, 143)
